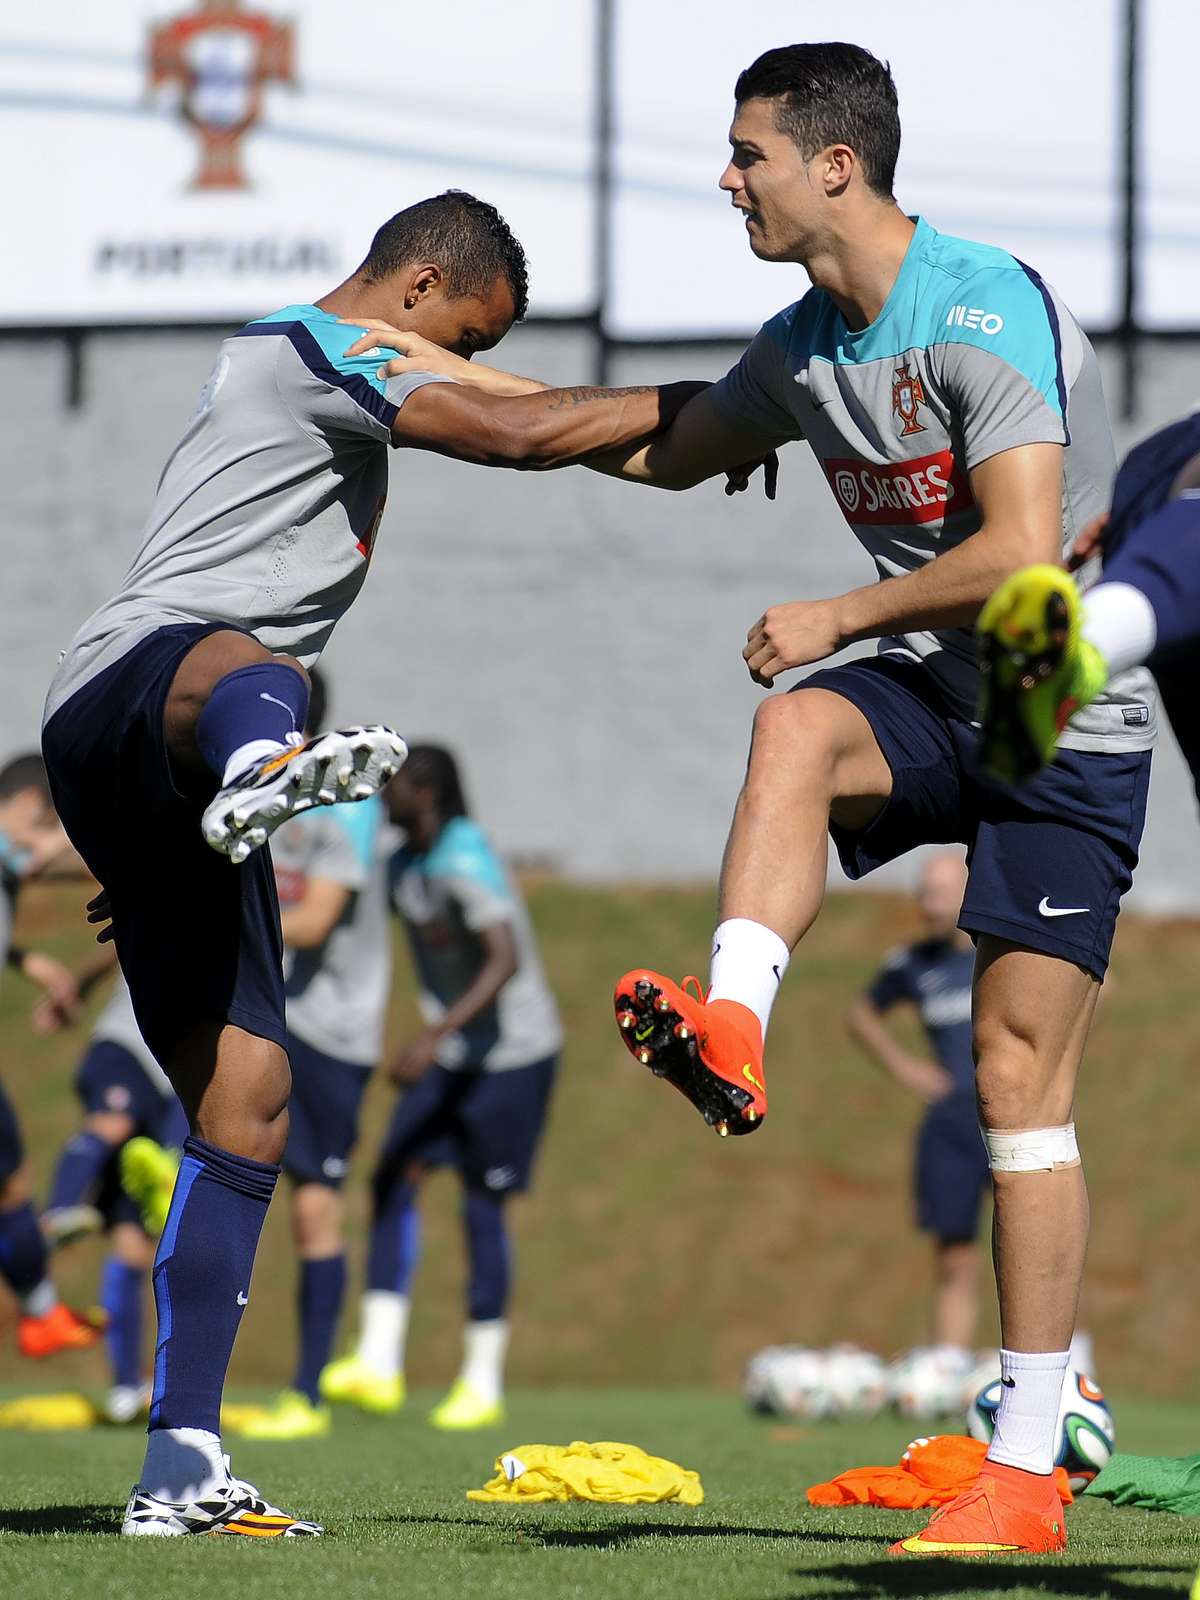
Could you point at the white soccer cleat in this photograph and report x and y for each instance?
(347, 764)
(233, 1507)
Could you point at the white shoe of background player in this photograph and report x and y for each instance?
(347, 764)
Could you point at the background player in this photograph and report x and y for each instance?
(331, 874)
(125, 1096)
(951, 1171)
(477, 1084)
(1050, 653)
(183, 698)
(933, 378)
(30, 838)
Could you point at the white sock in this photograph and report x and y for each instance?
(485, 1344)
(40, 1300)
(183, 1464)
(1120, 622)
(1027, 1420)
(384, 1332)
(247, 754)
(1083, 1353)
(748, 964)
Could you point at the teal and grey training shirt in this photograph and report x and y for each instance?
(267, 509)
(972, 354)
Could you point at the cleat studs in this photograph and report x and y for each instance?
(750, 1115)
(645, 1056)
(682, 1032)
(626, 1020)
(661, 1002)
(722, 1129)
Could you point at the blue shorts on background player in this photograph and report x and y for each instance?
(933, 976)
(477, 1083)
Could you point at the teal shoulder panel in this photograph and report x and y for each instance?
(464, 851)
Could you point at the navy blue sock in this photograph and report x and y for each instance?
(121, 1297)
(395, 1238)
(1161, 557)
(77, 1176)
(488, 1250)
(22, 1249)
(202, 1280)
(266, 701)
(322, 1290)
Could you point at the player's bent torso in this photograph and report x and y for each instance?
(971, 355)
(267, 509)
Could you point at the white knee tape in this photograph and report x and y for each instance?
(1031, 1149)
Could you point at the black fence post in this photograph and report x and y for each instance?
(602, 183)
(1128, 331)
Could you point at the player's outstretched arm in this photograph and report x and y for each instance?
(1019, 493)
(865, 1024)
(695, 446)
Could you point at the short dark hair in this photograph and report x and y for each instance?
(463, 235)
(318, 701)
(24, 772)
(431, 766)
(831, 94)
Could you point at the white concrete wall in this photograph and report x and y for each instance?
(578, 640)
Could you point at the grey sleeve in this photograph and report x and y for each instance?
(753, 396)
(346, 399)
(334, 856)
(995, 406)
(482, 905)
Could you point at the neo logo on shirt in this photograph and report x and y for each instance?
(922, 489)
(974, 317)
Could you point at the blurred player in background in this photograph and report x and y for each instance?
(1050, 651)
(173, 731)
(30, 839)
(956, 408)
(125, 1096)
(331, 875)
(951, 1172)
(476, 1082)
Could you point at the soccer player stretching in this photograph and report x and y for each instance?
(956, 410)
(172, 738)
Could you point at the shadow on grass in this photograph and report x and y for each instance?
(618, 1534)
(883, 1580)
(43, 1520)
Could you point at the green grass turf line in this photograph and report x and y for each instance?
(392, 1494)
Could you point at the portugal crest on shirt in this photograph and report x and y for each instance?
(908, 392)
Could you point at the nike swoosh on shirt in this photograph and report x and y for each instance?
(1045, 909)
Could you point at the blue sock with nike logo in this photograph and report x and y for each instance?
(322, 1290)
(251, 713)
(202, 1280)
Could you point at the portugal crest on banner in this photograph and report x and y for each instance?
(221, 57)
(908, 392)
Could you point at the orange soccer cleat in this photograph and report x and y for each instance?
(711, 1051)
(1004, 1512)
(60, 1329)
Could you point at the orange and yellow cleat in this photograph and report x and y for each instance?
(1004, 1512)
(711, 1051)
(60, 1329)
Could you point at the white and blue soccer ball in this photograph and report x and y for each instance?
(857, 1381)
(930, 1382)
(1087, 1435)
(789, 1381)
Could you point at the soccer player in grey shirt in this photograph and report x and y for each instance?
(172, 732)
(956, 410)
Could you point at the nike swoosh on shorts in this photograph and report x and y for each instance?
(1045, 909)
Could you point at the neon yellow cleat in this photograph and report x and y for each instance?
(1196, 1588)
(293, 1416)
(350, 1382)
(465, 1408)
(148, 1173)
(1036, 671)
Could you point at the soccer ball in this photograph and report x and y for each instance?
(927, 1383)
(788, 1381)
(1086, 1433)
(856, 1380)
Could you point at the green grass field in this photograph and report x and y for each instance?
(392, 1495)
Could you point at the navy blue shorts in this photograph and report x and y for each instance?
(487, 1124)
(1049, 861)
(323, 1110)
(952, 1173)
(198, 938)
(12, 1151)
(110, 1079)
